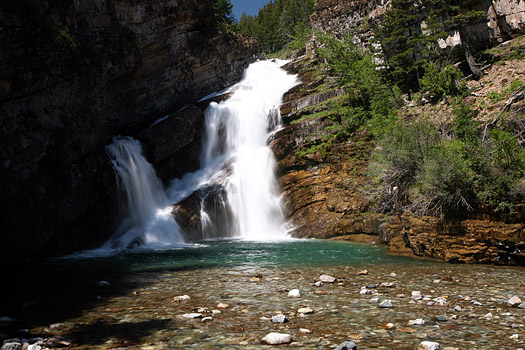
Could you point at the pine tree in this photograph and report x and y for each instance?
(223, 11)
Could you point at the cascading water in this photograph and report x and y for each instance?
(148, 220)
(237, 132)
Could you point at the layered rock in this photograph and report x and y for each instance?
(75, 74)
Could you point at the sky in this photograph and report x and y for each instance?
(251, 7)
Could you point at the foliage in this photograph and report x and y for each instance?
(223, 12)
(279, 23)
(443, 82)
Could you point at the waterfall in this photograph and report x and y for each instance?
(144, 205)
(237, 132)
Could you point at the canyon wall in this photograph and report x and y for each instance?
(74, 74)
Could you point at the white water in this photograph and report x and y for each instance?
(237, 132)
(145, 207)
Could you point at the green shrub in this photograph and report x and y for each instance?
(441, 83)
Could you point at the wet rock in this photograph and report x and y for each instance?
(12, 340)
(428, 345)
(5, 320)
(327, 279)
(12, 346)
(386, 304)
(441, 318)
(192, 315)
(514, 301)
(305, 311)
(57, 326)
(416, 295)
(279, 319)
(104, 284)
(294, 293)
(416, 322)
(347, 345)
(181, 298)
(34, 347)
(57, 342)
(277, 339)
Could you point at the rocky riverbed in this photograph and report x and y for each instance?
(393, 305)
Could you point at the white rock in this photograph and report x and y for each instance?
(440, 301)
(393, 274)
(207, 319)
(304, 330)
(515, 336)
(277, 339)
(488, 316)
(436, 281)
(416, 322)
(216, 312)
(222, 306)
(294, 293)
(318, 284)
(363, 273)
(385, 304)
(477, 303)
(279, 319)
(521, 306)
(327, 279)
(34, 347)
(305, 310)
(514, 301)
(181, 298)
(458, 308)
(192, 315)
(390, 325)
(428, 345)
(416, 295)
(364, 290)
(374, 300)
(387, 285)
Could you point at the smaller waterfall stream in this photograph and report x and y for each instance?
(146, 210)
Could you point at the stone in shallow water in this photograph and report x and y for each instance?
(327, 279)
(279, 319)
(514, 301)
(416, 322)
(318, 284)
(441, 318)
(181, 298)
(386, 304)
(192, 315)
(428, 345)
(440, 301)
(305, 310)
(458, 308)
(347, 345)
(277, 339)
(294, 293)
(416, 295)
(304, 330)
(222, 306)
(363, 273)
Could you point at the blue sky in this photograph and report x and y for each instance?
(251, 7)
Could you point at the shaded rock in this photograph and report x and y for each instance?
(441, 318)
(279, 319)
(104, 284)
(521, 306)
(327, 279)
(57, 342)
(347, 345)
(428, 345)
(277, 339)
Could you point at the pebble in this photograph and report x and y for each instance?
(216, 312)
(428, 345)
(477, 303)
(362, 273)
(12, 346)
(416, 322)
(305, 310)
(57, 342)
(277, 339)
(440, 301)
(387, 285)
(103, 284)
(386, 304)
(374, 300)
(393, 274)
(436, 281)
(207, 319)
(318, 284)
(441, 318)
(364, 290)
(514, 301)
(279, 319)
(521, 306)
(192, 315)
(458, 308)
(304, 331)
(57, 326)
(182, 298)
(416, 295)
(515, 336)
(34, 347)
(347, 345)
(327, 279)
(294, 293)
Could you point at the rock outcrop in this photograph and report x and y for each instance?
(75, 74)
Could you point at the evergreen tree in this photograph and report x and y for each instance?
(223, 11)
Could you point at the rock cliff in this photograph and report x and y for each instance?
(74, 74)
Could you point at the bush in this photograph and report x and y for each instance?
(441, 83)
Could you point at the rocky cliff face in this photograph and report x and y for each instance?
(75, 74)
(326, 197)
(505, 19)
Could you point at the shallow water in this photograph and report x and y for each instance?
(138, 310)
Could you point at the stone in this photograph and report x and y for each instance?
(390, 326)
(476, 303)
(514, 301)
(207, 319)
(279, 319)
(362, 273)
(222, 306)
(327, 279)
(57, 326)
(387, 285)
(386, 304)
(216, 312)
(441, 318)
(192, 315)
(374, 300)
(318, 284)
(521, 306)
(304, 330)
(428, 345)
(458, 308)
(416, 295)
(34, 347)
(416, 322)
(12, 346)
(104, 284)
(294, 293)
(181, 298)
(277, 339)
(347, 345)
(440, 301)
(305, 311)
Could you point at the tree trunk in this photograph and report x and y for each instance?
(468, 55)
